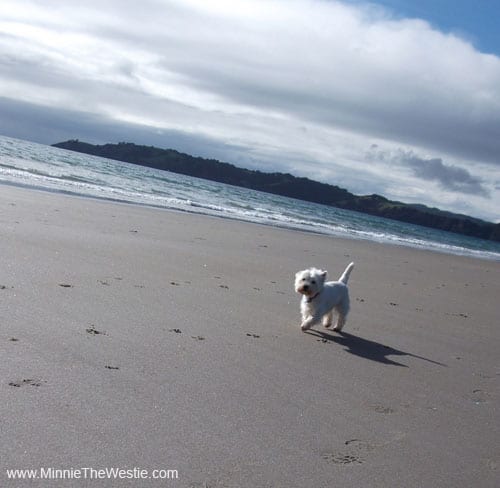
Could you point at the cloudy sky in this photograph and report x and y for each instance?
(396, 97)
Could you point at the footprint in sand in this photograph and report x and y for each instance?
(342, 458)
(93, 331)
(65, 285)
(198, 338)
(461, 315)
(26, 382)
(382, 409)
(111, 367)
(354, 453)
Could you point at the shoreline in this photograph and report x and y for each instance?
(427, 245)
(131, 336)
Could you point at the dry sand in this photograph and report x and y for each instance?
(135, 337)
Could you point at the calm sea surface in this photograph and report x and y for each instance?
(48, 168)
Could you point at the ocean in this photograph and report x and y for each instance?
(32, 165)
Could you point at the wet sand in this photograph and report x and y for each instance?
(135, 337)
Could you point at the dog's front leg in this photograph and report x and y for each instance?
(308, 322)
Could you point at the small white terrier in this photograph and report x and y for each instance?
(320, 299)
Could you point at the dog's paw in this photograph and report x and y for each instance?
(305, 327)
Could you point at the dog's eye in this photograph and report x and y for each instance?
(303, 279)
(313, 282)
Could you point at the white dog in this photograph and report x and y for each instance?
(320, 299)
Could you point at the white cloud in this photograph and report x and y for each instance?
(299, 85)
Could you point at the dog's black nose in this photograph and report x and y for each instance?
(305, 287)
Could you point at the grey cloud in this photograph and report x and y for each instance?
(47, 126)
(449, 177)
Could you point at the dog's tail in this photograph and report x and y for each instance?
(345, 275)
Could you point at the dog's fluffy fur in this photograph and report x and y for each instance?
(321, 298)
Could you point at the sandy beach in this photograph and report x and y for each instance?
(140, 338)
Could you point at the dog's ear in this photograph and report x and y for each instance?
(324, 274)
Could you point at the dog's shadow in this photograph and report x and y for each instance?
(367, 349)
